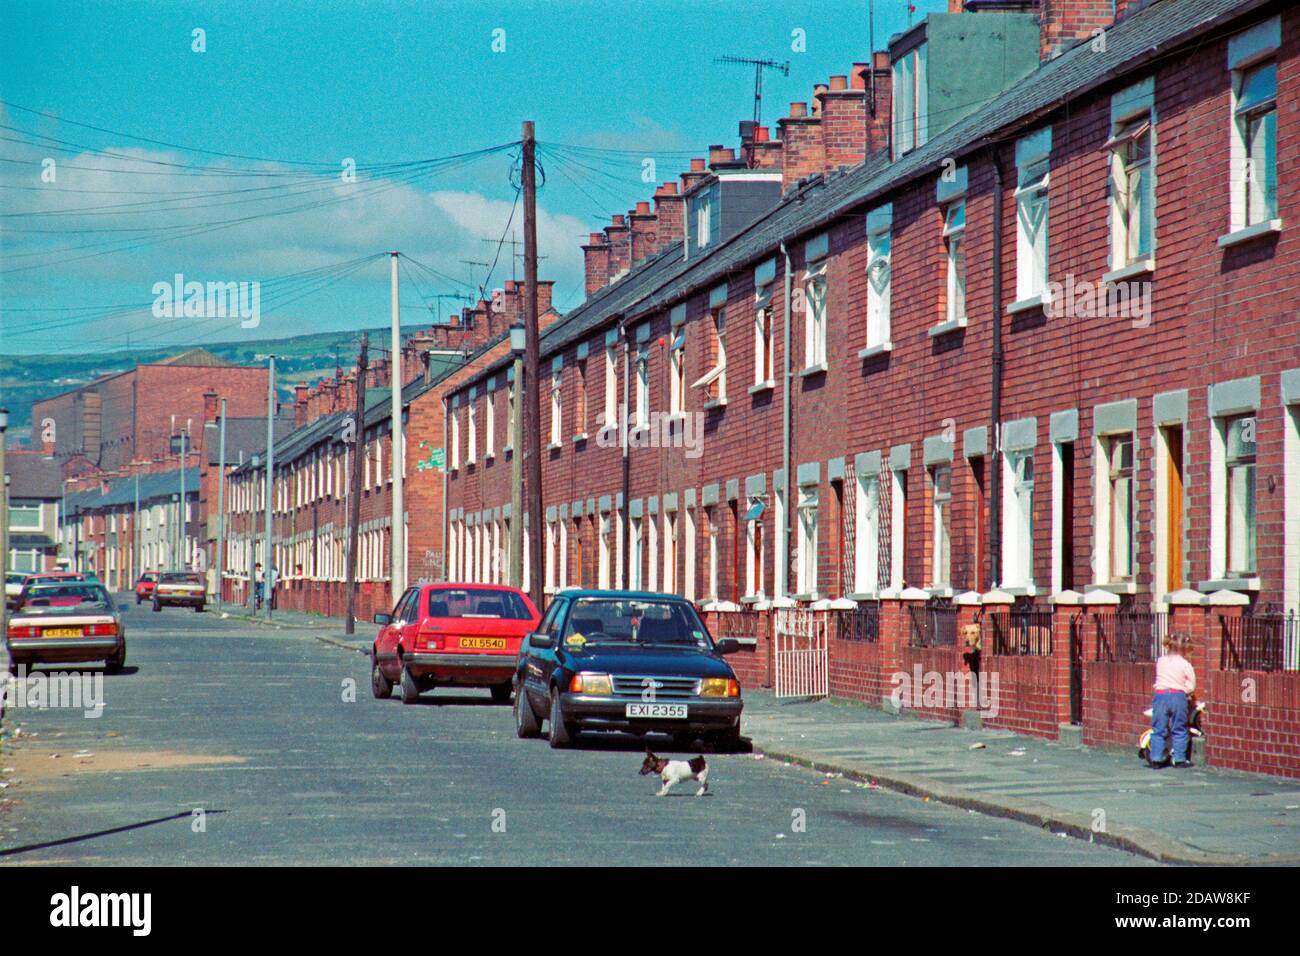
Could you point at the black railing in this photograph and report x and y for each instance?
(860, 624)
(748, 624)
(1261, 642)
(1130, 637)
(933, 625)
(1018, 632)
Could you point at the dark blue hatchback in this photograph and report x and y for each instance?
(631, 661)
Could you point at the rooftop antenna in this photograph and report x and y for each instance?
(759, 66)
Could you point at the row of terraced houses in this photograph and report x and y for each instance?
(995, 334)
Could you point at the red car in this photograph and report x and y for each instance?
(462, 634)
(145, 586)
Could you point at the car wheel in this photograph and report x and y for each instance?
(156, 607)
(501, 693)
(410, 689)
(561, 734)
(115, 663)
(683, 741)
(526, 722)
(728, 741)
(380, 685)
(198, 609)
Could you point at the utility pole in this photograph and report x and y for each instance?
(518, 345)
(4, 524)
(135, 528)
(221, 507)
(182, 550)
(354, 489)
(267, 568)
(398, 534)
(533, 437)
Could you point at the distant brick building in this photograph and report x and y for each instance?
(128, 417)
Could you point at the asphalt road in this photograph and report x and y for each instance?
(314, 774)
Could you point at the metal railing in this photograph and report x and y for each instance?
(860, 624)
(1261, 642)
(1129, 637)
(744, 624)
(932, 625)
(1018, 632)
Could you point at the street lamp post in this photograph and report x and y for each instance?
(518, 345)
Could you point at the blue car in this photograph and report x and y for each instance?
(628, 661)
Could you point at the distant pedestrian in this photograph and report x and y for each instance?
(1175, 684)
(259, 585)
(273, 578)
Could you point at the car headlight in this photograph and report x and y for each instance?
(719, 687)
(585, 683)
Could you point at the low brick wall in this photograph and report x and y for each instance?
(1027, 697)
(1114, 698)
(856, 672)
(1252, 721)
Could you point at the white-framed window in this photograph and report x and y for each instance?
(814, 300)
(564, 552)
(866, 519)
(954, 236)
(455, 447)
(25, 516)
(1252, 58)
(764, 323)
(652, 545)
(1033, 176)
(806, 565)
(642, 389)
(510, 416)
(611, 386)
(1121, 482)
(941, 518)
(879, 226)
(711, 533)
(603, 543)
(489, 423)
(910, 101)
(670, 552)
(1239, 517)
(580, 400)
(635, 560)
(714, 381)
(471, 430)
(688, 556)
(754, 571)
(551, 564)
(677, 372)
(557, 405)
(1018, 519)
(1132, 175)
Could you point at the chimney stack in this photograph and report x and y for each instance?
(645, 235)
(620, 249)
(844, 122)
(802, 147)
(300, 400)
(211, 406)
(595, 257)
(697, 172)
(670, 210)
(1062, 23)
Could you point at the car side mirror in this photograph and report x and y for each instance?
(541, 641)
(727, 645)
(383, 619)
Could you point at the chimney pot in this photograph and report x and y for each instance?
(798, 110)
(642, 208)
(761, 135)
(697, 166)
(839, 82)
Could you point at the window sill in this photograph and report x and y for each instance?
(1228, 584)
(1023, 590)
(507, 451)
(871, 351)
(713, 403)
(863, 596)
(488, 457)
(940, 591)
(1028, 305)
(815, 369)
(943, 328)
(765, 386)
(580, 437)
(1266, 228)
(555, 446)
(1115, 587)
(753, 599)
(1143, 267)
(810, 597)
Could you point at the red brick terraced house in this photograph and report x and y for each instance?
(1020, 360)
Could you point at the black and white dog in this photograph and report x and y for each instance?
(677, 771)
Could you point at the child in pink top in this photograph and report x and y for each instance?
(1175, 683)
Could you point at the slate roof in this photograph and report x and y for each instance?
(665, 279)
(33, 476)
(247, 435)
(121, 491)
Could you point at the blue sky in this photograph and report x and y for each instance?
(377, 83)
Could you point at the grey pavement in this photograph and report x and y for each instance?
(260, 728)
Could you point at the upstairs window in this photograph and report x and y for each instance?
(642, 389)
(489, 423)
(455, 446)
(910, 101)
(714, 381)
(677, 372)
(471, 428)
(764, 280)
(879, 225)
(580, 407)
(1132, 183)
(1033, 175)
(557, 405)
(611, 386)
(1252, 58)
(814, 300)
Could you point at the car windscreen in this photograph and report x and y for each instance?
(15, 578)
(67, 599)
(180, 578)
(630, 621)
(477, 602)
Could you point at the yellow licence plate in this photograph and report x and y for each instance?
(483, 643)
(61, 632)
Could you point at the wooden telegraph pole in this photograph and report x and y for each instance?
(533, 432)
(354, 491)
